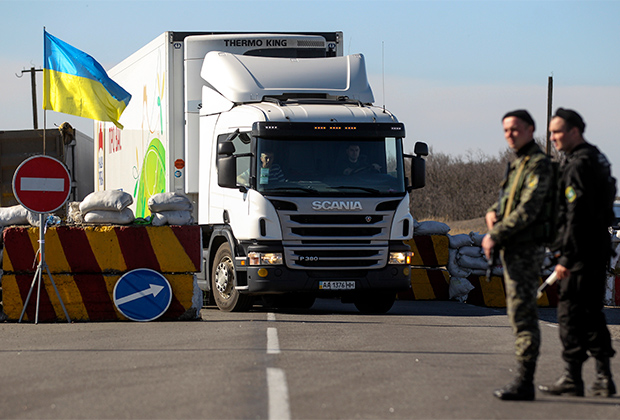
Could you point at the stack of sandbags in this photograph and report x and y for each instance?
(430, 227)
(107, 207)
(170, 208)
(466, 258)
(17, 215)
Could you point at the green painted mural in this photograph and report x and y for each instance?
(152, 178)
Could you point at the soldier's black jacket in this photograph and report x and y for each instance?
(587, 191)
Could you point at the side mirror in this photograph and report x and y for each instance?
(226, 165)
(418, 172)
(420, 149)
(225, 148)
(418, 166)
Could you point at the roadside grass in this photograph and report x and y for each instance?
(466, 226)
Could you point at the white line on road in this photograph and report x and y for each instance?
(273, 345)
(278, 395)
(271, 316)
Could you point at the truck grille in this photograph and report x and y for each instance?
(336, 258)
(334, 240)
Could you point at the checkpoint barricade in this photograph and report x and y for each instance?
(429, 279)
(432, 277)
(493, 293)
(87, 261)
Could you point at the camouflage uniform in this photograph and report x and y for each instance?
(518, 233)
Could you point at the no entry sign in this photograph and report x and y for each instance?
(41, 184)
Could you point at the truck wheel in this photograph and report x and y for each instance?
(374, 302)
(226, 297)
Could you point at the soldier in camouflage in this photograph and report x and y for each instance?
(516, 228)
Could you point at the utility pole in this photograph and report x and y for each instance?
(549, 111)
(33, 83)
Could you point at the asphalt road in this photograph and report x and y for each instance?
(423, 360)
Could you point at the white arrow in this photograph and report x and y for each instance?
(153, 290)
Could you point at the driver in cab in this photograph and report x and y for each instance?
(356, 163)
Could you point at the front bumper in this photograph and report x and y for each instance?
(281, 279)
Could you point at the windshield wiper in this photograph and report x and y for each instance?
(355, 187)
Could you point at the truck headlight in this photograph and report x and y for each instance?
(400, 257)
(267, 258)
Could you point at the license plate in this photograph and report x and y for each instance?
(336, 285)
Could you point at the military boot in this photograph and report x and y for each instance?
(522, 386)
(604, 385)
(570, 383)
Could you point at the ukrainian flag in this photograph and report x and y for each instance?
(74, 83)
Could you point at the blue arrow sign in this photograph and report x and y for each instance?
(142, 294)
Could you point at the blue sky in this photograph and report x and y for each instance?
(450, 69)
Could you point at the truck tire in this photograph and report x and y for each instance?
(376, 302)
(223, 276)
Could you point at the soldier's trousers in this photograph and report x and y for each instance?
(522, 267)
(583, 327)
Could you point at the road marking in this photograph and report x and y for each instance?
(271, 316)
(278, 395)
(273, 345)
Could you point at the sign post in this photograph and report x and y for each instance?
(42, 185)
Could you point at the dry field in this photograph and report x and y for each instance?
(466, 226)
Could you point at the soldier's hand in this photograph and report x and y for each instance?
(491, 219)
(562, 272)
(488, 244)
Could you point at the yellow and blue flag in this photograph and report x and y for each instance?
(75, 83)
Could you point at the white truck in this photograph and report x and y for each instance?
(298, 182)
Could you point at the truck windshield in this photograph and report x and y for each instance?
(330, 166)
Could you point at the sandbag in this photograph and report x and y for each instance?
(453, 268)
(169, 201)
(457, 241)
(477, 238)
(106, 200)
(498, 271)
(173, 217)
(123, 217)
(74, 215)
(474, 263)
(459, 288)
(430, 227)
(479, 272)
(14, 215)
(471, 251)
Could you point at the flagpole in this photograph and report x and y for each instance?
(44, 110)
(44, 128)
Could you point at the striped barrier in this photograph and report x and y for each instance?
(86, 262)
(429, 250)
(427, 284)
(434, 283)
(102, 249)
(493, 294)
(88, 297)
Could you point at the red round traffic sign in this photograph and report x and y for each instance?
(41, 184)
